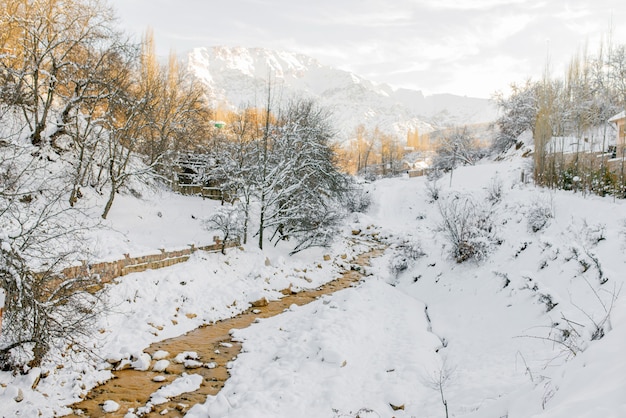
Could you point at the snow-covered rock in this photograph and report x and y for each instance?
(160, 355)
(110, 406)
(141, 361)
(160, 366)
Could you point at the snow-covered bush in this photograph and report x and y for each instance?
(456, 148)
(585, 238)
(358, 199)
(467, 227)
(433, 190)
(494, 190)
(592, 234)
(229, 221)
(404, 255)
(539, 215)
(41, 310)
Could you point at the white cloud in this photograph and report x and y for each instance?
(434, 45)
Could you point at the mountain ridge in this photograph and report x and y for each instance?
(238, 76)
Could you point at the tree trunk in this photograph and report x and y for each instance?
(107, 207)
(262, 220)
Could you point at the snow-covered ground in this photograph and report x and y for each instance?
(485, 336)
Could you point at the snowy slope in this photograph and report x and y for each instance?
(239, 76)
(492, 316)
(495, 327)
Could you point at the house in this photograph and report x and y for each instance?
(417, 163)
(620, 123)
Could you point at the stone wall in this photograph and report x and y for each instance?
(107, 271)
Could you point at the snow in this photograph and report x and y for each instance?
(235, 75)
(340, 350)
(493, 327)
(110, 406)
(160, 366)
(185, 383)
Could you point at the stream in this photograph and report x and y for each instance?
(132, 388)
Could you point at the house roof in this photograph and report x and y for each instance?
(619, 116)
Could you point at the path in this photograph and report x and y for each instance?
(132, 388)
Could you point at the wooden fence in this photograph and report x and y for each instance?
(214, 193)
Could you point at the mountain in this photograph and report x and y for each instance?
(239, 76)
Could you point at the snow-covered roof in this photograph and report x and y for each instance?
(620, 115)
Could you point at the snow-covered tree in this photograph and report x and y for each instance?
(616, 63)
(305, 185)
(519, 110)
(47, 59)
(39, 235)
(455, 148)
(284, 166)
(228, 221)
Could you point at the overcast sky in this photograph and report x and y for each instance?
(465, 47)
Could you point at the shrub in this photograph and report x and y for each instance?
(494, 190)
(468, 228)
(405, 254)
(539, 215)
(433, 190)
(358, 199)
(229, 221)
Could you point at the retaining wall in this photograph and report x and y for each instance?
(108, 271)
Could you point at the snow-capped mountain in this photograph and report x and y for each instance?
(239, 76)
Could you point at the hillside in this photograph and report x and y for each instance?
(513, 333)
(239, 76)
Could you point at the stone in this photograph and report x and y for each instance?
(160, 366)
(186, 355)
(110, 406)
(260, 303)
(20, 396)
(141, 361)
(114, 358)
(124, 364)
(397, 407)
(160, 355)
(192, 364)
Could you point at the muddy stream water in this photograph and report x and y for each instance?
(132, 388)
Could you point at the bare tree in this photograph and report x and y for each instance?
(176, 115)
(228, 221)
(42, 309)
(49, 43)
(455, 148)
(439, 380)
